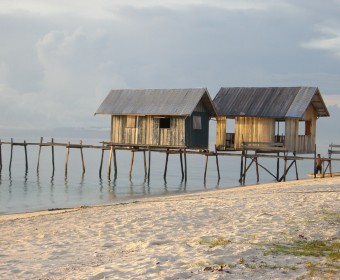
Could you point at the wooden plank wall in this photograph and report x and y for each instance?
(221, 128)
(306, 143)
(249, 129)
(147, 131)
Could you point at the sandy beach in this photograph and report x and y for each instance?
(272, 231)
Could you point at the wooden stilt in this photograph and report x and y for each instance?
(166, 164)
(278, 167)
(314, 165)
(145, 166)
(101, 162)
(149, 165)
(257, 170)
(82, 156)
(218, 166)
(26, 159)
(41, 140)
(185, 166)
(245, 168)
(181, 159)
(285, 168)
(241, 167)
(10, 160)
(115, 163)
(52, 141)
(131, 163)
(206, 166)
(109, 164)
(296, 169)
(67, 155)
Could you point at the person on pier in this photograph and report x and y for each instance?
(318, 165)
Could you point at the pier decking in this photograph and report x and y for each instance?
(249, 155)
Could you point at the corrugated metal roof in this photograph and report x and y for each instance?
(273, 102)
(169, 102)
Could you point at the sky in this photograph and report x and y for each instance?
(59, 59)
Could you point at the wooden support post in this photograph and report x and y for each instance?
(10, 160)
(67, 155)
(241, 168)
(41, 140)
(101, 162)
(206, 166)
(278, 167)
(149, 165)
(131, 163)
(166, 164)
(52, 141)
(115, 163)
(314, 162)
(296, 169)
(145, 165)
(218, 167)
(82, 156)
(257, 170)
(26, 159)
(245, 168)
(185, 166)
(181, 160)
(285, 168)
(109, 165)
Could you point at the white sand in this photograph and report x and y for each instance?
(172, 237)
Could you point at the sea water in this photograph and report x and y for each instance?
(45, 189)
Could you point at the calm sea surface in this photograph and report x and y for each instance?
(32, 191)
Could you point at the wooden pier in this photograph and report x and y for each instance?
(249, 156)
(112, 149)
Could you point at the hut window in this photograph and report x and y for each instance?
(164, 123)
(305, 128)
(197, 122)
(131, 121)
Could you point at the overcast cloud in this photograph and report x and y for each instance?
(59, 59)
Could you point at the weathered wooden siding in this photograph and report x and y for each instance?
(291, 134)
(306, 143)
(148, 132)
(249, 129)
(302, 144)
(221, 128)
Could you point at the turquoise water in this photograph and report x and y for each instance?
(22, 191)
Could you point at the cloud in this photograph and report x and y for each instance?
(107, 9)
(59, 59)
(329, 41)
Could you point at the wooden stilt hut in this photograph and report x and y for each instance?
(280, 116)
(166, 118)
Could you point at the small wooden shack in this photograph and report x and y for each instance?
(173, 118)
(283, 115)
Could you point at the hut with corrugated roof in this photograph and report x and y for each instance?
(278, 116)
(171, 118)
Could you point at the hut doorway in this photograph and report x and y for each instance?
(280, 131)
(230, 133)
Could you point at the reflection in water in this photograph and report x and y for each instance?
(49, 188)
